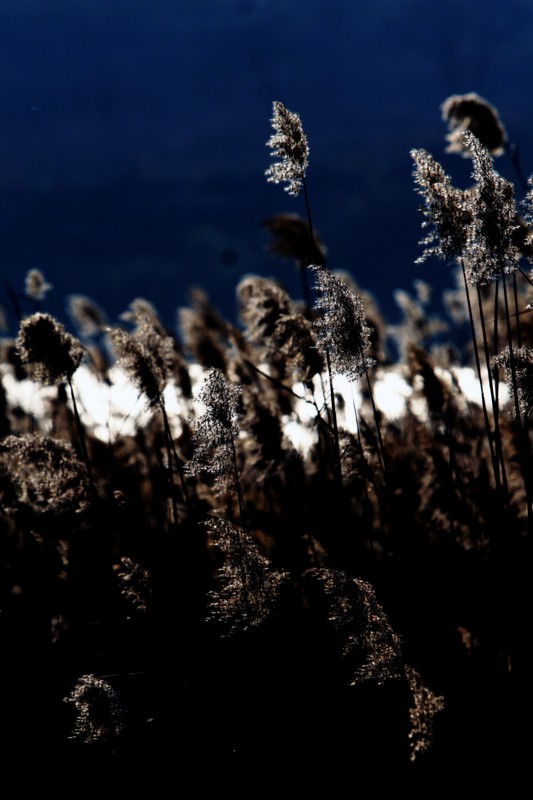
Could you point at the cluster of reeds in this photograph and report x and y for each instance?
(213, 585)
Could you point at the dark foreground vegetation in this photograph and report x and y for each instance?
(205, 600)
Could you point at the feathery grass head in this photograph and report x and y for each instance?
(203, 331)
(289, 143)
(86, 315)
(135, 584)
(367, 637)
(446, 209)
(249, 586)
(43, 343)
(426, 706)
(524, 231)
(294, 337)
(471, 112)
(216, 429)
(490, 251)
(146, 368)
(262, 302)
(144, 317)
(291, 239)
(36, 286)
(40, 475)
(100, 713)
(341, 327)
(519, 371)
(149, 354)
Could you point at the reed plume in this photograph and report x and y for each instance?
(289, 144)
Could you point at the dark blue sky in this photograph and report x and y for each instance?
(132, 143)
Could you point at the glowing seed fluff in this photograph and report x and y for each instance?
(289, 143)
(341, 329)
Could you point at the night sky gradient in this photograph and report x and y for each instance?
(132, 143)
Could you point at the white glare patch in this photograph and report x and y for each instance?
(112, 408)
(109, 409)
(468, 382)
(31, 397)
(391, 392)
(302, 437)
(116, 408)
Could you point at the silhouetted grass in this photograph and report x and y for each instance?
(205, 589)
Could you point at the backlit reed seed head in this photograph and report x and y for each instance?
(158, 345)
(262, 302)
(490, 251)
(249, 586)
(471, 112)
(43, 343)
(41, 475)
(447, 210)
(291, 239)
(417, 326)
(426, 706)
(528, 202)
(293, 336)
(135, 584)
(527, 224)
(86, 315)
(203, 331)
(288, 143)
(522, 365)
(341, 327)
(216, 429)
(36, 287)
(145, 365)
(100, 713)
(367, 637)
(144, 316)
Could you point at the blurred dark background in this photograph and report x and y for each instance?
(132, 141)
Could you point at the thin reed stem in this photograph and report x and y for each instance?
(238, 487)
(304, 271)
(517, 313)
(336, 452)
(499, 460)
(168, 440)
(478, 368)
(381, 446)
(81, 437)
(523, 436)
(171, 447)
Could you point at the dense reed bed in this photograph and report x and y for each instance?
(265, 570)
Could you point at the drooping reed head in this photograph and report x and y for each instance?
(41, 476)
(43, 343)
(217, 428)
(146, 367)
(366, 635)
(86, 315)
(491, 251)
(446, 209)
(518, 367)
(203, 331)
(426, 705)
(291, 239)
(341, 327)
(261, 303)
(471, 112)
(288, 143)
(35, 285)
(249, 586)
(478, 224)
(100, 715)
